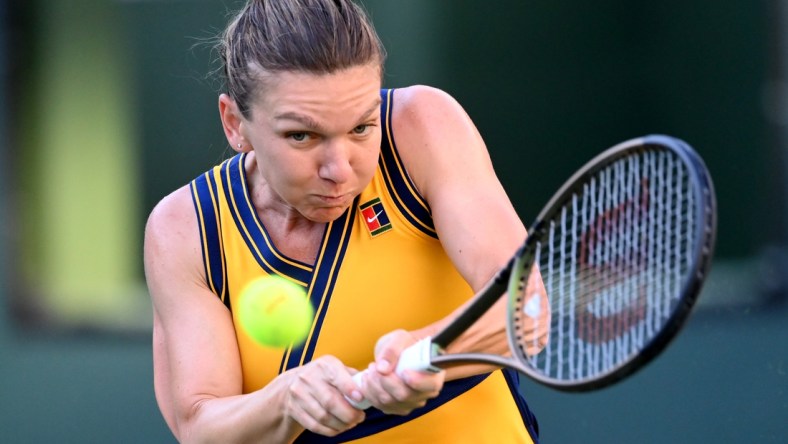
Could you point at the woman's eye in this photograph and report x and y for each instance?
(298, 137)
(361, 129)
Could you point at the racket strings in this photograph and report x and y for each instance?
(612, 260)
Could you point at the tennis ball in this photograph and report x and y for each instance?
(275, 312)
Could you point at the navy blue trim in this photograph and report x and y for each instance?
(377, 421)
(251, 229)
(403, 191)
(529, 419)
(333, 248)
(205, 200)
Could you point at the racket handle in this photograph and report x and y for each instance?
(363, 404)
(416, 357)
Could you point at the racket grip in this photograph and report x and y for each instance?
(363, 404)
(416, 357)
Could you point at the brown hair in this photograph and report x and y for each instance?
(315, 36)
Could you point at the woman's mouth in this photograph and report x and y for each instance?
(332, 200)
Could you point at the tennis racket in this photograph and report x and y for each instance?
(623, 249)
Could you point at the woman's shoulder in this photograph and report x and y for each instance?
(431, 130)
(171, 216)
(418, 100)
(423, 113)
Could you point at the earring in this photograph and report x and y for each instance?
(239, 145)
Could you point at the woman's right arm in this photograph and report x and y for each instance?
(197, 369)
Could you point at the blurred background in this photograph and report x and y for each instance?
(108, 105)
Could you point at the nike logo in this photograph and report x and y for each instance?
(374, 218)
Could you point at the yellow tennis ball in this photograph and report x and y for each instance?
(275, 312)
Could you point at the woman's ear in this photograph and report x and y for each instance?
(232, 120)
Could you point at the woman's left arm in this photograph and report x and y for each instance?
(476, 222)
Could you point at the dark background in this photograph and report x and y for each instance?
(549, 84)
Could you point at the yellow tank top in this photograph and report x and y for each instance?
(380, 267)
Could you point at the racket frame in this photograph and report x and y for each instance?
(517, 270)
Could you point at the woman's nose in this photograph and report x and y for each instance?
(335, 163)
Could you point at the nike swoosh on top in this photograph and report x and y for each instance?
(374, 218)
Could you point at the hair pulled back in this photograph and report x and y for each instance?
(315, 36)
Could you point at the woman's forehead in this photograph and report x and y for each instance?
(355, 75)
(354, 90)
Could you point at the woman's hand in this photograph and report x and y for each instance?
(393, 393)
(316, 396)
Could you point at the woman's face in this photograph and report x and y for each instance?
(316, 139)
